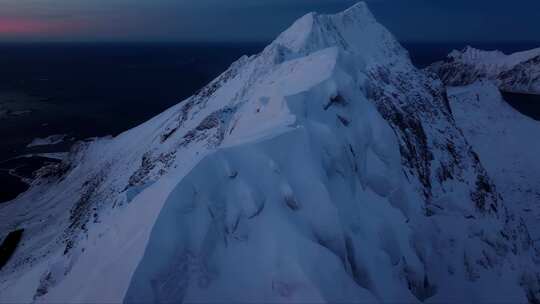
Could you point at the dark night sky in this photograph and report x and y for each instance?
(258, 20)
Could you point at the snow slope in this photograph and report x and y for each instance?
(507, 143)
(324, 169)
(518, 72)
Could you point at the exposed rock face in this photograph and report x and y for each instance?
(518, 72)
(325, 168)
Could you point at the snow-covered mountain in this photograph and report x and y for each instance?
(507, 143)
(517, 72)
(327, 168)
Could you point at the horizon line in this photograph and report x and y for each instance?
(234, 42)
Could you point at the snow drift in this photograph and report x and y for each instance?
(327, 168)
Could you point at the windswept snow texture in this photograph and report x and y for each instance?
(324, 169)
(518, 72)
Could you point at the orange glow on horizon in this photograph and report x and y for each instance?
(22, 27)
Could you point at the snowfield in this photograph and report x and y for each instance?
(507, 143)
(327, 168)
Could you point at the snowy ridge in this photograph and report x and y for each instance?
(493, 58)
(325, 169)
(517, 72)
(354, 30)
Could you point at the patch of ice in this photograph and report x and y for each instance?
(47, 141)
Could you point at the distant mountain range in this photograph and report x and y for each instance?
(518, 72)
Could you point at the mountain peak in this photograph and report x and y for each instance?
(358, 9)
(471, 54)
(353, 30)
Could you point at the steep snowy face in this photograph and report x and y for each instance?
(325, 169)
(507, 143)
(518, 72)
(377, 190)
(457, 192)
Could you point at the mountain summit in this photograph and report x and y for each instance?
(327, 168)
